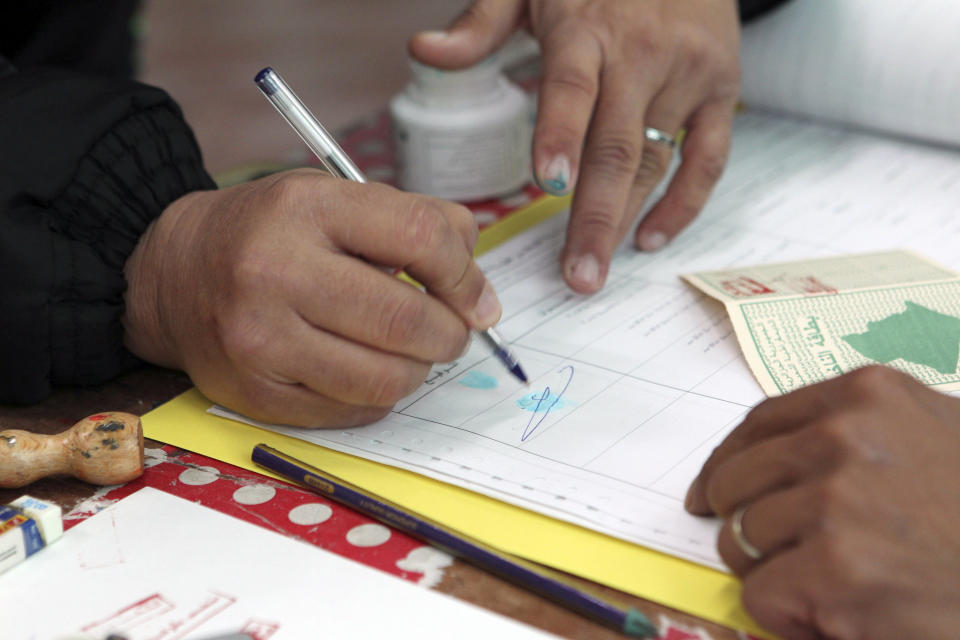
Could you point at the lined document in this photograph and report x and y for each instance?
(631, 388)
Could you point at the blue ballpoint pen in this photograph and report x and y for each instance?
(338, 163)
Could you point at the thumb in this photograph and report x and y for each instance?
(478, 32)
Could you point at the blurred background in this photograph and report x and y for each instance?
(345, 58)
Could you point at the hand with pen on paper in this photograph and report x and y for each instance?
(266, 295)
(621, 78)
(842, 506)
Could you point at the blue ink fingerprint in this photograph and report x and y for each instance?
(478, 380)
(534, 402)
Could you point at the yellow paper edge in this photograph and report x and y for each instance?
(703, 592)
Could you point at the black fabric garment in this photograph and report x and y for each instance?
(90, 36)
(86, 163)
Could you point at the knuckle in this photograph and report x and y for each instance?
(245, 339)
(253, 273)
(699, 51)
(421, 227)
(390, 385)
(837, 432)
(258, 401)
(571, 80)
(873, 381)
(463, 221)
(653, 166)
(596, 223)
(615, 155)
(854, 568)
(289, 185)
(712, 166)
(646, 40)
(402, 321)
(457, 345)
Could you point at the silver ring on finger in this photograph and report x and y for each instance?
(736, 529)
(659, 136)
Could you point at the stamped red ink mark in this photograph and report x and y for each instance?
(260, 629)
(744, 287)
(132, 615)
(811, 286)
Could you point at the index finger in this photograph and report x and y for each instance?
(610, 162)
(430, 239)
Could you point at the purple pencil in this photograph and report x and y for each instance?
(528, 575)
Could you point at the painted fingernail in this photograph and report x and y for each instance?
(555, 177)
(585, 270)
(488, 309)
(652, 241)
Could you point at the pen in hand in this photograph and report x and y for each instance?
(339, 164)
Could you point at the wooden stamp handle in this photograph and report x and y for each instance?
(104, 449)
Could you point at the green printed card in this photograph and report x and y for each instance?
(802, 322)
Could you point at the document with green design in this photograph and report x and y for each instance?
(802, 322)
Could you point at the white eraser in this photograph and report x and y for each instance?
(48, 516)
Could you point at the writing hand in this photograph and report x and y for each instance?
(851, 494)
(266, 294)
(610, 69)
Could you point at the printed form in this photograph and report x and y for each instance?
(632, 388)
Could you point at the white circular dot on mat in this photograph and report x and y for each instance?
(368, 535)
(311, 513)
(254, 494)
(199, 475)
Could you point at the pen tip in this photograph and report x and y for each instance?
(518, 372)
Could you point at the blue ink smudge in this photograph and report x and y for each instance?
(546, 400)
(478, 380)
(534, 401)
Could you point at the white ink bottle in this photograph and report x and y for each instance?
(461, 135)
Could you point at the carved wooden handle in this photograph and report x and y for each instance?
(105, 448)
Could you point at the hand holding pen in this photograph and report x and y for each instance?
(338, 163)
(265, 293)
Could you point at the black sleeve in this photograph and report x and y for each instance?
(750, 9)
(90, 36)
(86, 163)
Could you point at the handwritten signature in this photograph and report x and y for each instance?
(547, 402)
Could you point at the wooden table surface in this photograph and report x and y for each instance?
(143, 389)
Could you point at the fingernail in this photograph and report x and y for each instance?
(555, 177)
(586, 271)
(436, 36)
(652, 241)
(488, 309)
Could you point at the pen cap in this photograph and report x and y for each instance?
(463, 134)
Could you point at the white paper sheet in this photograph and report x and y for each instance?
(157, 566)
(646, 377)
(883, 64)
